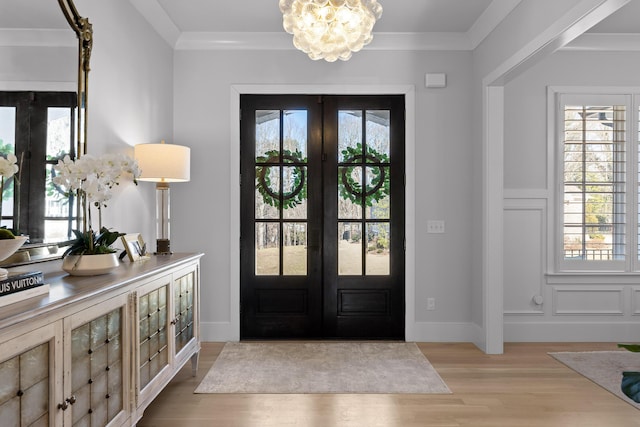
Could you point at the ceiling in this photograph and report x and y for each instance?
(207, 23)
(31, 14)
(264, 15)
(405, 24)
(238, 24)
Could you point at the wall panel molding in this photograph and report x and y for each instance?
(534, 194)
(524, 252)
(635, 301)
(580, 301)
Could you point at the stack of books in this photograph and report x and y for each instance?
(19, 286)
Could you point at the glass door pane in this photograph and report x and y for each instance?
(281, 192)
(364, 185)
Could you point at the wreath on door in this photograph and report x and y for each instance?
(379, 186)
(351, 188)
(291, 199)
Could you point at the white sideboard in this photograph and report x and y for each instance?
(95, 351)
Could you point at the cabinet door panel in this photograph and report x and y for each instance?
(29, 388)
(184, 289)
(153, 332)
(97, 386)
(152, 337)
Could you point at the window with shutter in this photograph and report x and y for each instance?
(598, 212)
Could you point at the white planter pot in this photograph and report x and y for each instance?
(90, 265)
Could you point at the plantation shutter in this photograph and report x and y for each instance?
(594, 156)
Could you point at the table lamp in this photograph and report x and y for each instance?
(163, 163)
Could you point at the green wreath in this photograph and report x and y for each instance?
(380, 185)
(263, 184)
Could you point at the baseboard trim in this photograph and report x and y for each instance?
(571, 332)
(217, 332)
(444, 332)
(421, 332)
(470, 332)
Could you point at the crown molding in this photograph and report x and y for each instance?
(233, 41)
(283, 41)
(28, 37)
(438, 41)
(610, 42)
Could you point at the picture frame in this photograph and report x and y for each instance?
(135, 246)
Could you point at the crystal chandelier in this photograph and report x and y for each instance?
(330, 29)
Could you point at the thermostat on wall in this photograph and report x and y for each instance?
(435, 80)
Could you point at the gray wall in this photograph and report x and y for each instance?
(595, 308)
(130, 101)
(203, 80)
(141, 90)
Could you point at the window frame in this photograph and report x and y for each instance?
(32, 108)
(558, 97)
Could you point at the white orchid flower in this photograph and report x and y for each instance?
(94, 177)
(8, 166)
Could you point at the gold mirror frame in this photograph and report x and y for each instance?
(84, 31)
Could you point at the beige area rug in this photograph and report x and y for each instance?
(335, 367)
(603, 368)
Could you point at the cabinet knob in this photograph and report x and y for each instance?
(71, 399)
(174, 321)
(64, 405)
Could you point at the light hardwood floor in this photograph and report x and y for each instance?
(522, 387)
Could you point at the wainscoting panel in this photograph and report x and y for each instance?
(524, 241)
(635, 301)
(578, 300)
(574, 307)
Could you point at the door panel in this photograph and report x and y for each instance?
(322, 216)
(364, 283)
(281, 294)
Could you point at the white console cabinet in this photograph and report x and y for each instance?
(97, 350)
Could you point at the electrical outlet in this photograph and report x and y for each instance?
(435, 226)
(431, 303)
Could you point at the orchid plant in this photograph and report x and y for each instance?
(93, 179)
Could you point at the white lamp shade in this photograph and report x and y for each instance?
(163, 162)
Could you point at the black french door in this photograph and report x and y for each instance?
(322, 216)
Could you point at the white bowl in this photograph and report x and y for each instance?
(9, 246)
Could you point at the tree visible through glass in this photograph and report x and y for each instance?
(281, 192)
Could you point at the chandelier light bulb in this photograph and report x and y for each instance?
(330, 29)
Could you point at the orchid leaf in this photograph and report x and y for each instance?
(90, 243)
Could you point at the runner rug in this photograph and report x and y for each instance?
(335, 367)
(603, 368)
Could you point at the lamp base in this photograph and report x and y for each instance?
(163, 247)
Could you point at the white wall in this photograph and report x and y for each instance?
(21, 67)
(203, 82)
(592, 308)
(130, 102)
(142, 91)
(130, 94)
(531, 32)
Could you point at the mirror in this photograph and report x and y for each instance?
(40, 32)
